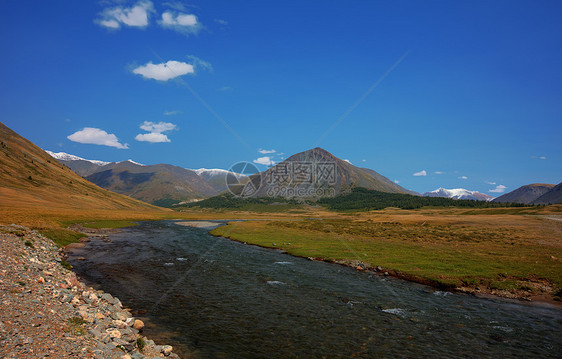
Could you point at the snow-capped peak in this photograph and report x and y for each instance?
(210, 172)
(133, 162)
(62, 156)
(458, 193)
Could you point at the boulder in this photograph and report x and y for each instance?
(138, 324)
(167, 349)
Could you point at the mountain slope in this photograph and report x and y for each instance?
(458, 193)
(30, 177)
(316, 173)
(525, 194)
(216, 177)
(553, 196)
(160, 184)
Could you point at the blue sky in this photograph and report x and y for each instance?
(467, 93)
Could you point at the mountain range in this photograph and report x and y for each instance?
(160, 184)
(536, 193)
(314, 173)
(458, 193)
(31, 175)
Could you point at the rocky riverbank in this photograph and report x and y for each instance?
(46, 312)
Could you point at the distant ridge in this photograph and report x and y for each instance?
(62, 156)
(161, 184)
(527, 194)
(553, 196)
(458, 193)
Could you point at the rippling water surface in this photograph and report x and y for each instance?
(215, 298)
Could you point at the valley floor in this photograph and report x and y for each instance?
(514, 255)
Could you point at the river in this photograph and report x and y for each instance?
(216, 298)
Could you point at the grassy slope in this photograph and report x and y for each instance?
(493, 252)
(39, 192)
(30, 178)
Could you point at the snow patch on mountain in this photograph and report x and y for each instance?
(62, 156)
(458, 193)
(211, 172)
(133, 162)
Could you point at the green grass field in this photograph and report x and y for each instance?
(508, 256)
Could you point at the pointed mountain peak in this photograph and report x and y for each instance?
(316, 154)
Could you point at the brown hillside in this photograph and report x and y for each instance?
(29, 177)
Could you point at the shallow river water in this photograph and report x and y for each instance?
(216, 298)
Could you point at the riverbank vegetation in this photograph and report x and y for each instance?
(507, 255)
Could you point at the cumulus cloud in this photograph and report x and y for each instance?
(155, 130)
(463, 177)
(164, 71)
(152, 137)
(96, 136)
(264, 152)
(185, 24)
(266, 161)
(420, 173)
(157, 127)
(499, 189)
(135, 16)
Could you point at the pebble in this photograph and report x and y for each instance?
(46, 312)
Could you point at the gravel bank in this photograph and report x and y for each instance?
(45, 312)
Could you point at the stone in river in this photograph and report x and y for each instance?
(138, 324)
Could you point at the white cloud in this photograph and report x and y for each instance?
(396, 181)
(499, 189)
(266, 161)
(463, 177)
(96, 136)
(542, 157)
(489, 182)
(171, 113)
(157, 127)
(264, 152)
(186, 24)
(155, 130)
(225, 88)
(348, 161)
(420, 173)
(152, 137)
(363, 160)
(221, 21)
(135, 16)
(164, 71)
(439, 173)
